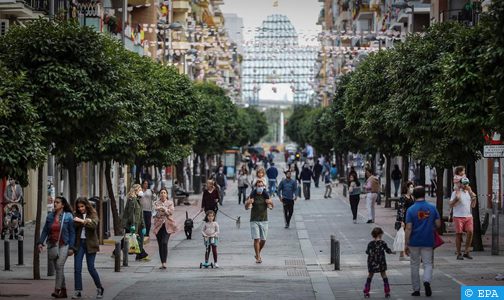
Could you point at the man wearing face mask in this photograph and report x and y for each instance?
(462, 202)
(287, 193)
(221, 180)
(259, 201)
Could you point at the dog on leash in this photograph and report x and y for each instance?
(188, 226)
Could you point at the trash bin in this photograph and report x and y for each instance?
(95, 201)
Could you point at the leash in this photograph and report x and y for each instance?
(237, 220)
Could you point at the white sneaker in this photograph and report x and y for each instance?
(77, 295)
(216, 265)
(99, 293)
(499, 277)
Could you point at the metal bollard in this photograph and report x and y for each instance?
(50, 266)
(117, 257)
(332, 248)
(336, 255)
(7, 255)
(125, 252)
(20, 251)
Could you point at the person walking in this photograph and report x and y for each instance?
(59, 232)
(353, 172)
(164, 224)
(372, 190)
(422, 218)
(243, 184)
(133, 218)
(306, 177)
(328, 184)
(258, 202)
(317, 172)
(221, 180)
(462, 202)
(377, 262)
(433, 180)
(272, 174)
(210, 232)
(86, 244)
(354, 192)
(287, 190)
(396, 178)
(210, 198)
(147, 199)
(405, 201)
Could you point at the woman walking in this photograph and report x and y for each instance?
(133, 219)
(210, 198)
(372, 190)
(86, 243)
(354, 192)
(243, 183)
(59, 232)
(404, 203)
(164, 224)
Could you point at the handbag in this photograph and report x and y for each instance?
(53, 252)
(134, 246)
(438, 241)
(399, 240)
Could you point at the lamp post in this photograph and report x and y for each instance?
(404, 5)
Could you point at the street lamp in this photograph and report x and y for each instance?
(405, 5)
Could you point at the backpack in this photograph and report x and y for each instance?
(220, 179)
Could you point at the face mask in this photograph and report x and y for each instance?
(140, 194)
(260, 190)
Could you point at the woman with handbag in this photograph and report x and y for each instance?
(164, 224)
(354, 192)
(243, 184)
(133, 218)
(86, 222)
(59, 232)
(405, 201)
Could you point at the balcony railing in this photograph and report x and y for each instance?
(459, 15)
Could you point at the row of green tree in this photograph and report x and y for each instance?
(432, 98)
(69, 91)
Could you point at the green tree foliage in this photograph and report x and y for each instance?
(255, 125)
(20, 130)
(296, 127)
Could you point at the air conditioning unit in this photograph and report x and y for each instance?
(4, 26)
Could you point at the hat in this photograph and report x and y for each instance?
(464, 181)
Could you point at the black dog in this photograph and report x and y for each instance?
(188, 226)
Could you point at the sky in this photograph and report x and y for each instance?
(302, 13)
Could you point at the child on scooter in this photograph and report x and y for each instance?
(210, 232)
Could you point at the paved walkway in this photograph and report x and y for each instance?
(295, 261)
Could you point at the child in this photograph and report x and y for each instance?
(328, 188)
(459, 173)
(376, 261)
(210, 232)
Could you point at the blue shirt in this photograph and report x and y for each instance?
(272, 173)
(422, 216)
(68, 233)
(287, 189)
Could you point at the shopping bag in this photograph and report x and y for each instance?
(438, 241)
(399, 240)
(134, 247)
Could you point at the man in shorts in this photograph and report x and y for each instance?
(462, 201)
(259, 201)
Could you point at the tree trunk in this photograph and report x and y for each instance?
(449, 182)
(387, 175)
(341, 165)
(71, 166)
(439, 191)
(477, 242)
(180, 173)
(422, 173)
(138, 170)
(113, 204)
(38, 221)
(405, 168)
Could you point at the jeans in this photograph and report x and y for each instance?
(148, 221)
(370, 205)
(59, 266)
(316, 179)
(306, 190)
(426, 254)
(288, 207)
(271, 186)
(242, 194)
(328, 191)
(354, 205)
(222, 192)
(397, 183)
(90, 261)
(162, 238)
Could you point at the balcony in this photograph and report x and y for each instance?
(181, 45)
(181, 6)
(31, 9)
